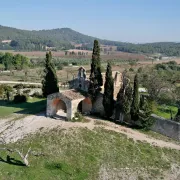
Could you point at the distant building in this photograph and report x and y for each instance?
(50, 48)
(6, 41)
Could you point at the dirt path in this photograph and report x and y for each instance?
(12, 131)
(19, 82)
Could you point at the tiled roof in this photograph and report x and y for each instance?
(72, 94)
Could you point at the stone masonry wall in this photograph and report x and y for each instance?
(86, 105)
(166, 127)
(98, 105)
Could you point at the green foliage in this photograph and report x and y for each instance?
(124, 97)
(50, 82)
(135, 102)
(78, 117)
(7, 60)
(131, 69)
(140, 70)
(2, 67)
(6, 90)
(65, 63)
(62, 38)
(96, 80)
(20, 98)
(108, 97)
(60, 67)
(164, 110)
(154, 82)
(166, 48)
(11, 62)
(177, 118)
(80, 154)
(18, 86)
(169, 66)
(32, 106)
(133, 62)
(145, 121)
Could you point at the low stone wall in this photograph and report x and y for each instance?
(166, 127)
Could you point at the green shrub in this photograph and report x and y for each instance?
(74, 63)
(65, 63)
(26, 91)
(60, 66)
(166, 98)
(20, 98)
(131, 69)
(18, 86)
(34, 86)
(140, 70)
(78, 117)
(37, 95)
(103, 69)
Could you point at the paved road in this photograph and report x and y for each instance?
(19, 82)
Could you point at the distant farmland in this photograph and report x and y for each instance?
(111, 56)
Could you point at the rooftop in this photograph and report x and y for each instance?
(72, 94)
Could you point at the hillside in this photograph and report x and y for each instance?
(34, 40)
(66, 38)
(93, 149)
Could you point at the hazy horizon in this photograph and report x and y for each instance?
(118, 20)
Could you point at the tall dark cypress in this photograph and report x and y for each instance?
(124, 98)
(96, 80)
(49, 82)
(177, 118)
(136, 99)
(108, 97)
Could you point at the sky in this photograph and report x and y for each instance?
(137, 21)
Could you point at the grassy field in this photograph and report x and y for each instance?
(159, 136)
(32, 106)
(164, 111)
(84, 154)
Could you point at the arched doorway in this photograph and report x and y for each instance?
(85, 106)
(60, 109)
(79, 108)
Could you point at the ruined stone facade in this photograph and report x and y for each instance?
(71, 101)
(82, 82)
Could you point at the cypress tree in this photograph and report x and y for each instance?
(108, 97)
(145, 121)
(50, 82)
(96, 80)
(124, 98)
(177, 118)
(135, 102)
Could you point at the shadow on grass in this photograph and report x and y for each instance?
(24, 108)
(12, 161)
(118, 122)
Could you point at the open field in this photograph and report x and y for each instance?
(164, 111)
(112, 55)
(32, 106)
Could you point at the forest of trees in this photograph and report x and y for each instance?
(62, 39)
(165, 48)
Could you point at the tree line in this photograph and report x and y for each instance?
(9, 61)
(165, 48)
(62, 39)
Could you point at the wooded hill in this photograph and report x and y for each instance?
(65, 38)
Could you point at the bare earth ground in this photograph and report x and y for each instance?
(11, 130)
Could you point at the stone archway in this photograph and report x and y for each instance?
(61, 109)
(69, 98)
(85, 105)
